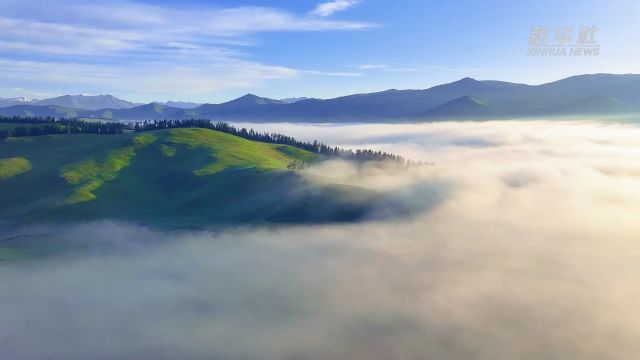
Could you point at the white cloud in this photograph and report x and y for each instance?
(157, 79)
(533, 254)
(332, 7)
(117, 44)
(84, 35)
(124, 23)
(421, 68)
(330, 73)
(372, 67)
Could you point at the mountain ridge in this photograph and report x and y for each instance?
(80, 102)
(504, 99)
(462, 108)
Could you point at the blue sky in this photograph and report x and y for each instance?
(212, 51)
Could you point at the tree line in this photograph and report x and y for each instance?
(45, 125)
(4, 119)
(49, 125)
(360, 155)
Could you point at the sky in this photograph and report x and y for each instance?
(214, 51)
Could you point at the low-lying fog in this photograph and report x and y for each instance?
(534, 253)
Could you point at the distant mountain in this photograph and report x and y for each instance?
(600, 94)
(504, 98)
(391, 105)
(88, 102)
(293, 100)
(4, 102)
(34, 110)
(245, 101)
(143, 112)
(593, 105)
(181, 104)
(462, 108)
(248, 104)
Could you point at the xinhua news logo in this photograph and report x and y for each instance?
(563, 41)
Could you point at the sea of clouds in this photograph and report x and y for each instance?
(532, 251)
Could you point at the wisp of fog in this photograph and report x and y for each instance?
(533, 253)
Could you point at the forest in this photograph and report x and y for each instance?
(36, 126)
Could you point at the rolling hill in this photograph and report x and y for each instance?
(177, 178)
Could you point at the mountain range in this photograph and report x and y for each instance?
(465, 99)
(85, 102)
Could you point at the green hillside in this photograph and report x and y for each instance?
(235, 152)
(186, 177)
(11, 167)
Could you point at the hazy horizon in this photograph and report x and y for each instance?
(304, 95)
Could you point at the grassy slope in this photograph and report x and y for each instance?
(235, 152)
(167, 178)
(90, 174)
(14, 166)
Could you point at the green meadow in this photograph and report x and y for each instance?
(175, 178)
(228, 151)
(14, 166)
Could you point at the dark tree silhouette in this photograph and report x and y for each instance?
(49, 125)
